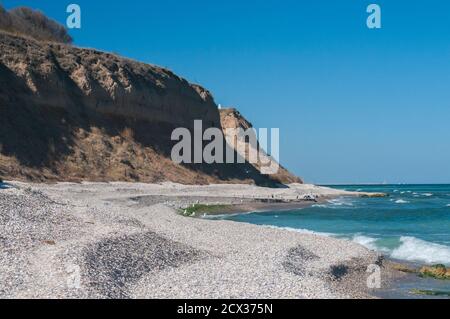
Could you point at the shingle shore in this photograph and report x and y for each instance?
(94, 240)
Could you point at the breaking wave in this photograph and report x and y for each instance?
(410, 249)
(366, 241)
(414, 249)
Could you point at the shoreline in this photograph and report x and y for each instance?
(105, 228)
(400, 276)
(226, 206)
(260, 207)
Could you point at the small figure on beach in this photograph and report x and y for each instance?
(310, 197)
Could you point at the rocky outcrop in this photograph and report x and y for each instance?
(72, 114)
(435, 271)
(231, 121)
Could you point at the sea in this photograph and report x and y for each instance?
(411, 224)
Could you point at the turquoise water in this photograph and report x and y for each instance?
(412, 224)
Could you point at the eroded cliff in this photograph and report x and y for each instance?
(231, 121)
(72, 114)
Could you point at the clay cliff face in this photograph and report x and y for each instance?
(72, 114)
(63, 77)
(231, 121)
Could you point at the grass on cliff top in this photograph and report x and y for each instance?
(201, 209)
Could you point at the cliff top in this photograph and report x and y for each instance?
(32, 23)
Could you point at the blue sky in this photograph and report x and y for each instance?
(353, 105)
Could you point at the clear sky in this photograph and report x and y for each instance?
(353, 105)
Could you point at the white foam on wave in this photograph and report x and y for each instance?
(366, 241)
(448, 205)
(370, 243)
(339, 202)
(300, 230)
(401, 201)
(410, 249)
(414, 249)
(427, 194)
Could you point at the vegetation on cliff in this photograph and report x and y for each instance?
(31, 23)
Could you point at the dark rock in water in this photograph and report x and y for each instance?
(404, 269)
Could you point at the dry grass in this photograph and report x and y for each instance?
(27, 22)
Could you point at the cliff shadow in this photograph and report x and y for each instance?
(40, 136)
(33, 133)
(157, 136)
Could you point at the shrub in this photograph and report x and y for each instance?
(29, 22)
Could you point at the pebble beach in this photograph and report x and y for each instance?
(128, 240)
